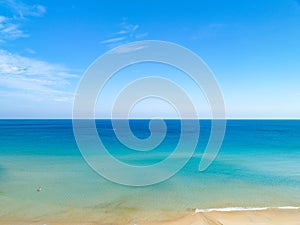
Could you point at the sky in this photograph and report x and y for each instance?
(251, 46)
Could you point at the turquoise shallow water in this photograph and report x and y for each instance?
(257, 166)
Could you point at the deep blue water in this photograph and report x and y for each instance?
(55, 137)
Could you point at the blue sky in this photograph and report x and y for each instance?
(253, 48)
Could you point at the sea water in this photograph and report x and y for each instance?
(257, 166)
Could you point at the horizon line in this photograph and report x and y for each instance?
(146, 118)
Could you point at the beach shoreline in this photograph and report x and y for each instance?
(270, 216)
(48, 182)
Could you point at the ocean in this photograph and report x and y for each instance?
(258, 166)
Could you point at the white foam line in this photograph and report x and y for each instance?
(232, 209)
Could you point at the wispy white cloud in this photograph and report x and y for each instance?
(127, 33)
(9, 30)
(128, 49)
(112, 40)
(23, 10)
(127, 28)
(10, 25)
(44, 80)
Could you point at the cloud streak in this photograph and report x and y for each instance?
(127, 33)
(10, 25)
(128, 49)
(9, 30)
(22, 10)
(112, 40)
(23, 78)
(22, 75)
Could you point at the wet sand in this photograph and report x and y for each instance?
(253, 217)
(265, 217)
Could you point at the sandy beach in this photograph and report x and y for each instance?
(266, 217)
(251, 217)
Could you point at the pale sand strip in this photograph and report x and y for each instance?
(258, 217)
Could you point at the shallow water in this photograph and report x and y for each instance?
(257, 166)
